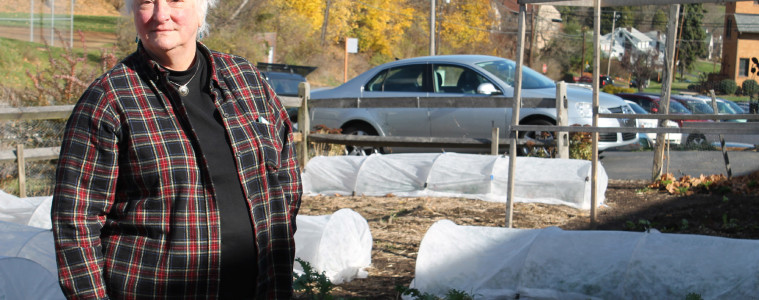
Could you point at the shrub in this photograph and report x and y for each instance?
(727, 87)
(613, 89)
(750, 88)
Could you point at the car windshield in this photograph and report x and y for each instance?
(636, 108)
(737, 108)
(504, 70)
(677, 108)
(699, 107)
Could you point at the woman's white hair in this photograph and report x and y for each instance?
(202, 6)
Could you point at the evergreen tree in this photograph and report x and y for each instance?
(691, 44)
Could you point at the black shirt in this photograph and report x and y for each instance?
(238, 249)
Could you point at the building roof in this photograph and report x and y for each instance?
(747, 23)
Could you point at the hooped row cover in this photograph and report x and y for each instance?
(550, 263)
(484, 177)
(339, 245)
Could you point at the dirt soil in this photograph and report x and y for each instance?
(399, 224)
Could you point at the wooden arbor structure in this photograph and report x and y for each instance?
(674, 10)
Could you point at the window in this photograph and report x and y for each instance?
(455, 79)
(743, 67)
(728, 29)
(401, 79)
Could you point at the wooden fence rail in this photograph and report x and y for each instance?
(20, 155)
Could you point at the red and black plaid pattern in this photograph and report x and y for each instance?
(132, 214)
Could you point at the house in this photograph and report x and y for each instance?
(625, 39)
(740, 52)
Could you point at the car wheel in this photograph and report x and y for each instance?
(696, 140)
(361, 150)
(540, 136)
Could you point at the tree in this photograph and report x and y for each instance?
(750, 88)
(641, 65)
(691, 45)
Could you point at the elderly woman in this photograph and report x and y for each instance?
(177, 176)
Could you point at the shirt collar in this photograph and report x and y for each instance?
(156, 71)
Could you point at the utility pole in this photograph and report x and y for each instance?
(611, 45)
(432, 27)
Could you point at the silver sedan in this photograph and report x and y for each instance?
(458, 76)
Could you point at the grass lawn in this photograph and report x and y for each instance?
(20, 57)
(83, 23)
(681, 84)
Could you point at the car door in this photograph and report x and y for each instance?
(462, 81)
(399, 82)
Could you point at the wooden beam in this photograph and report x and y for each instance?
(34, 154)
(610, 3)
(35, 112)
(430, 102)
(515, 115)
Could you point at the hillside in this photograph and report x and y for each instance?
(81, 7)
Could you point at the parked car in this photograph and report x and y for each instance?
(651, 103)
(603, 80)
(606, 80)
(649, 139)
(284, 79)
(724, 106)
(458, 76)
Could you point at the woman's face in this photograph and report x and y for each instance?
(167, 27)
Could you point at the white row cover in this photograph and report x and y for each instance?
(339, 245)
(27, 263)
(32, 211)
(485, 177)
(502, 263)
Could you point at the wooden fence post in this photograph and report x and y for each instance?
(494, 141)
(562, 138)
(721, 138)
(21, 170)
(304, 123)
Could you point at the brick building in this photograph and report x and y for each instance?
(740, 53)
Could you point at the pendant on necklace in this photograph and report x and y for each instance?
(183, 90)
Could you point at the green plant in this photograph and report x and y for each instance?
(683, 190)
(642, 225)
(684, 224)
(693, 296)
(730, 223)
(750, 88)
(613, 89)
(453, 294)
(580, 145)
(312, 285)
(727, 87)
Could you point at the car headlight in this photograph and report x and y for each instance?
(584, 109)
(670, 123)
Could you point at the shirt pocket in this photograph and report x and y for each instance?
(270, 145)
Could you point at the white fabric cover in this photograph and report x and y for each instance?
(340, 245)
(501, 263)
(32, 211)
(27, 263)
(21, 278)
(485, 177)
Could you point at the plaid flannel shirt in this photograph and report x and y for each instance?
(133, 214)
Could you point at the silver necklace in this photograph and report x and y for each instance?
(182, 89)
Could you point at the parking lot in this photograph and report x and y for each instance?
(638, 164)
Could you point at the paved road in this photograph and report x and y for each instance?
(638, 164)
